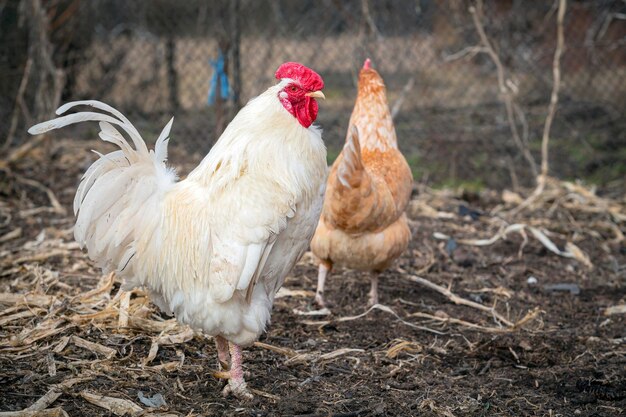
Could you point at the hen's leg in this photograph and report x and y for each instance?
(373, 296)
(222, 353)
(324, 269)
(236, 384)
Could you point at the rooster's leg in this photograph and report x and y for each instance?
(236, 384)
(222, 353)
(373, 298)
(324, 269)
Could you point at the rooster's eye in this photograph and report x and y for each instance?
(293, 88)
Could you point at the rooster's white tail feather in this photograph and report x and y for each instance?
(119, 189)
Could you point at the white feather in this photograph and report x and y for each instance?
(160, 148)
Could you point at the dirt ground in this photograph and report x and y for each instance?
(544, 350)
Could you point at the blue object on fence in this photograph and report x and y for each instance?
(218, 71)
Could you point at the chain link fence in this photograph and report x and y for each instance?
(156, 59)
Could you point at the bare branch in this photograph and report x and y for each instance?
(19, 102)
(459, 300)
(506, 86)
(467, 53)
(395, 109)
(554, 97)
(365, 9)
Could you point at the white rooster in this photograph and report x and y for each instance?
(214, 248)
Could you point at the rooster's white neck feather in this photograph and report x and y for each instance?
(262, 131)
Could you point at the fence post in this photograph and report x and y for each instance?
(235, 35)
(172, 75)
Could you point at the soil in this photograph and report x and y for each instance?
(568, 359)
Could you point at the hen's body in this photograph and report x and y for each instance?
(363, 225)
(365, 232)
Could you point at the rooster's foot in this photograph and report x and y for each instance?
(235, 374)
(223, 356)
(238, 388)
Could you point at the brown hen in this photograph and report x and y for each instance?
(363, 225)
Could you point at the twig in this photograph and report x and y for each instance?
(117, 406)
(403, 346)
(105, 351)
(18, 316)
(49, 412)
(320, 357)
(290, 353)
(427, 265)
(554, 97)
(616, 309)
(460, 322)
(58, 208)
(505, 85)
(510, 164)
(55, 392)
(459, 300)
(38, 300)
(265, 394)
(38, 257)
(467, 52)
(528, 317)
(19, 99)
(380, 307)
(571, 250)
(22, 150)
(395, 109)
(13, 234)
(49, 79)
(124, 305)
(365, 9)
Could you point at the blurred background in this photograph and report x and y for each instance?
(201, 60)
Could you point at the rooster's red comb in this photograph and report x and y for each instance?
(367, 64)
(307, 78)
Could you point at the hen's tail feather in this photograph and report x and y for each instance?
(350, 169)
(117, 187)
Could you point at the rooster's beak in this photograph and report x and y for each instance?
(316, 94)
